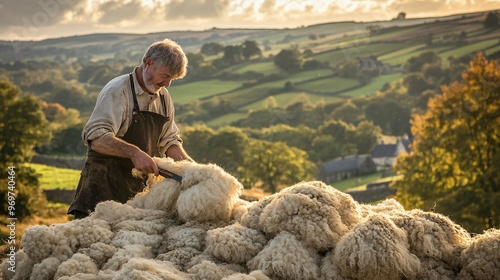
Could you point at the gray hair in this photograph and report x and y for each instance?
(170, 54)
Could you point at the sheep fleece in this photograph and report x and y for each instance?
(200, 228)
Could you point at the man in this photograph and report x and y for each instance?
(133, 120)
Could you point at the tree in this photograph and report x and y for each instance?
(250, 49)
(226, 146)
(415, 83)
(23, 126)
(276, 164)
(211, 48)
(288, 60)
(195, 61)
(456, 150)
(415, 64)
(232, 54)
(491, 20)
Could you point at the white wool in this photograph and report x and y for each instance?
(40, 242)
(240, 208)
(431, 234)
(199, 259)
(24, 266)
(286, 257)
(46, 269)
(251, 217)
(329, 268)
(435, 269)
(318, 214)
(127, 237)
(99, 252)
(385, 206)
(156, 226)
(235, 243)
(124, 254)
(207, 270)
(82, 276)
(254, 275)
(481, 259)
(115, 212)
(141, 268)
(162, 196)
(78, 263)
(210, 196)
(185, 236)
(179, 257)
(89, 231)
(376, 249)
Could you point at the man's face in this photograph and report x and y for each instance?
(155, 77)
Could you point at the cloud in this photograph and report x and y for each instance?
(118, 11)
(39, 13)
(196, 9)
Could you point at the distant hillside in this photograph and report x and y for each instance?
(98, 46)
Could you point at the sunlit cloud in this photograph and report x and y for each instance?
(26, 19)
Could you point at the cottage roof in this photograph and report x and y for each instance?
(384, 150)
(344, 163)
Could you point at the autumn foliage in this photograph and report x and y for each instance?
(454, 166)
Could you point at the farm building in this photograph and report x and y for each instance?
(384, 155)
(346, 167)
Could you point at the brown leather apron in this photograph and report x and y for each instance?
(109, 177)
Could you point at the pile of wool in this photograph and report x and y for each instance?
(201, 229)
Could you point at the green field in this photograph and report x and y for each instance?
(331, 84)
(376, 84)
(182, 94)
(267, 67)
(56, 178)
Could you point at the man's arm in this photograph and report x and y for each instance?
(108, 144)
(177, 153)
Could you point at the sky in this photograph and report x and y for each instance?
(42, 19)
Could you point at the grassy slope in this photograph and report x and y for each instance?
(56, 178)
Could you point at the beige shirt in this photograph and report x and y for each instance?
(114, 107)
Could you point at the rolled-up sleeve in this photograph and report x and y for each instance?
(108, 114)
(171, 133)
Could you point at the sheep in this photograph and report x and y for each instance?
(481, 259)
(376, 249)
(286, 257)
(316, 213)
(235, 243)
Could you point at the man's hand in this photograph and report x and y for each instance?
(108, 144)
(144, 163)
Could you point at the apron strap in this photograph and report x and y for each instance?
(136, 105)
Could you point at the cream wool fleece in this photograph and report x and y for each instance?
(286, 257)
(376, 249)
